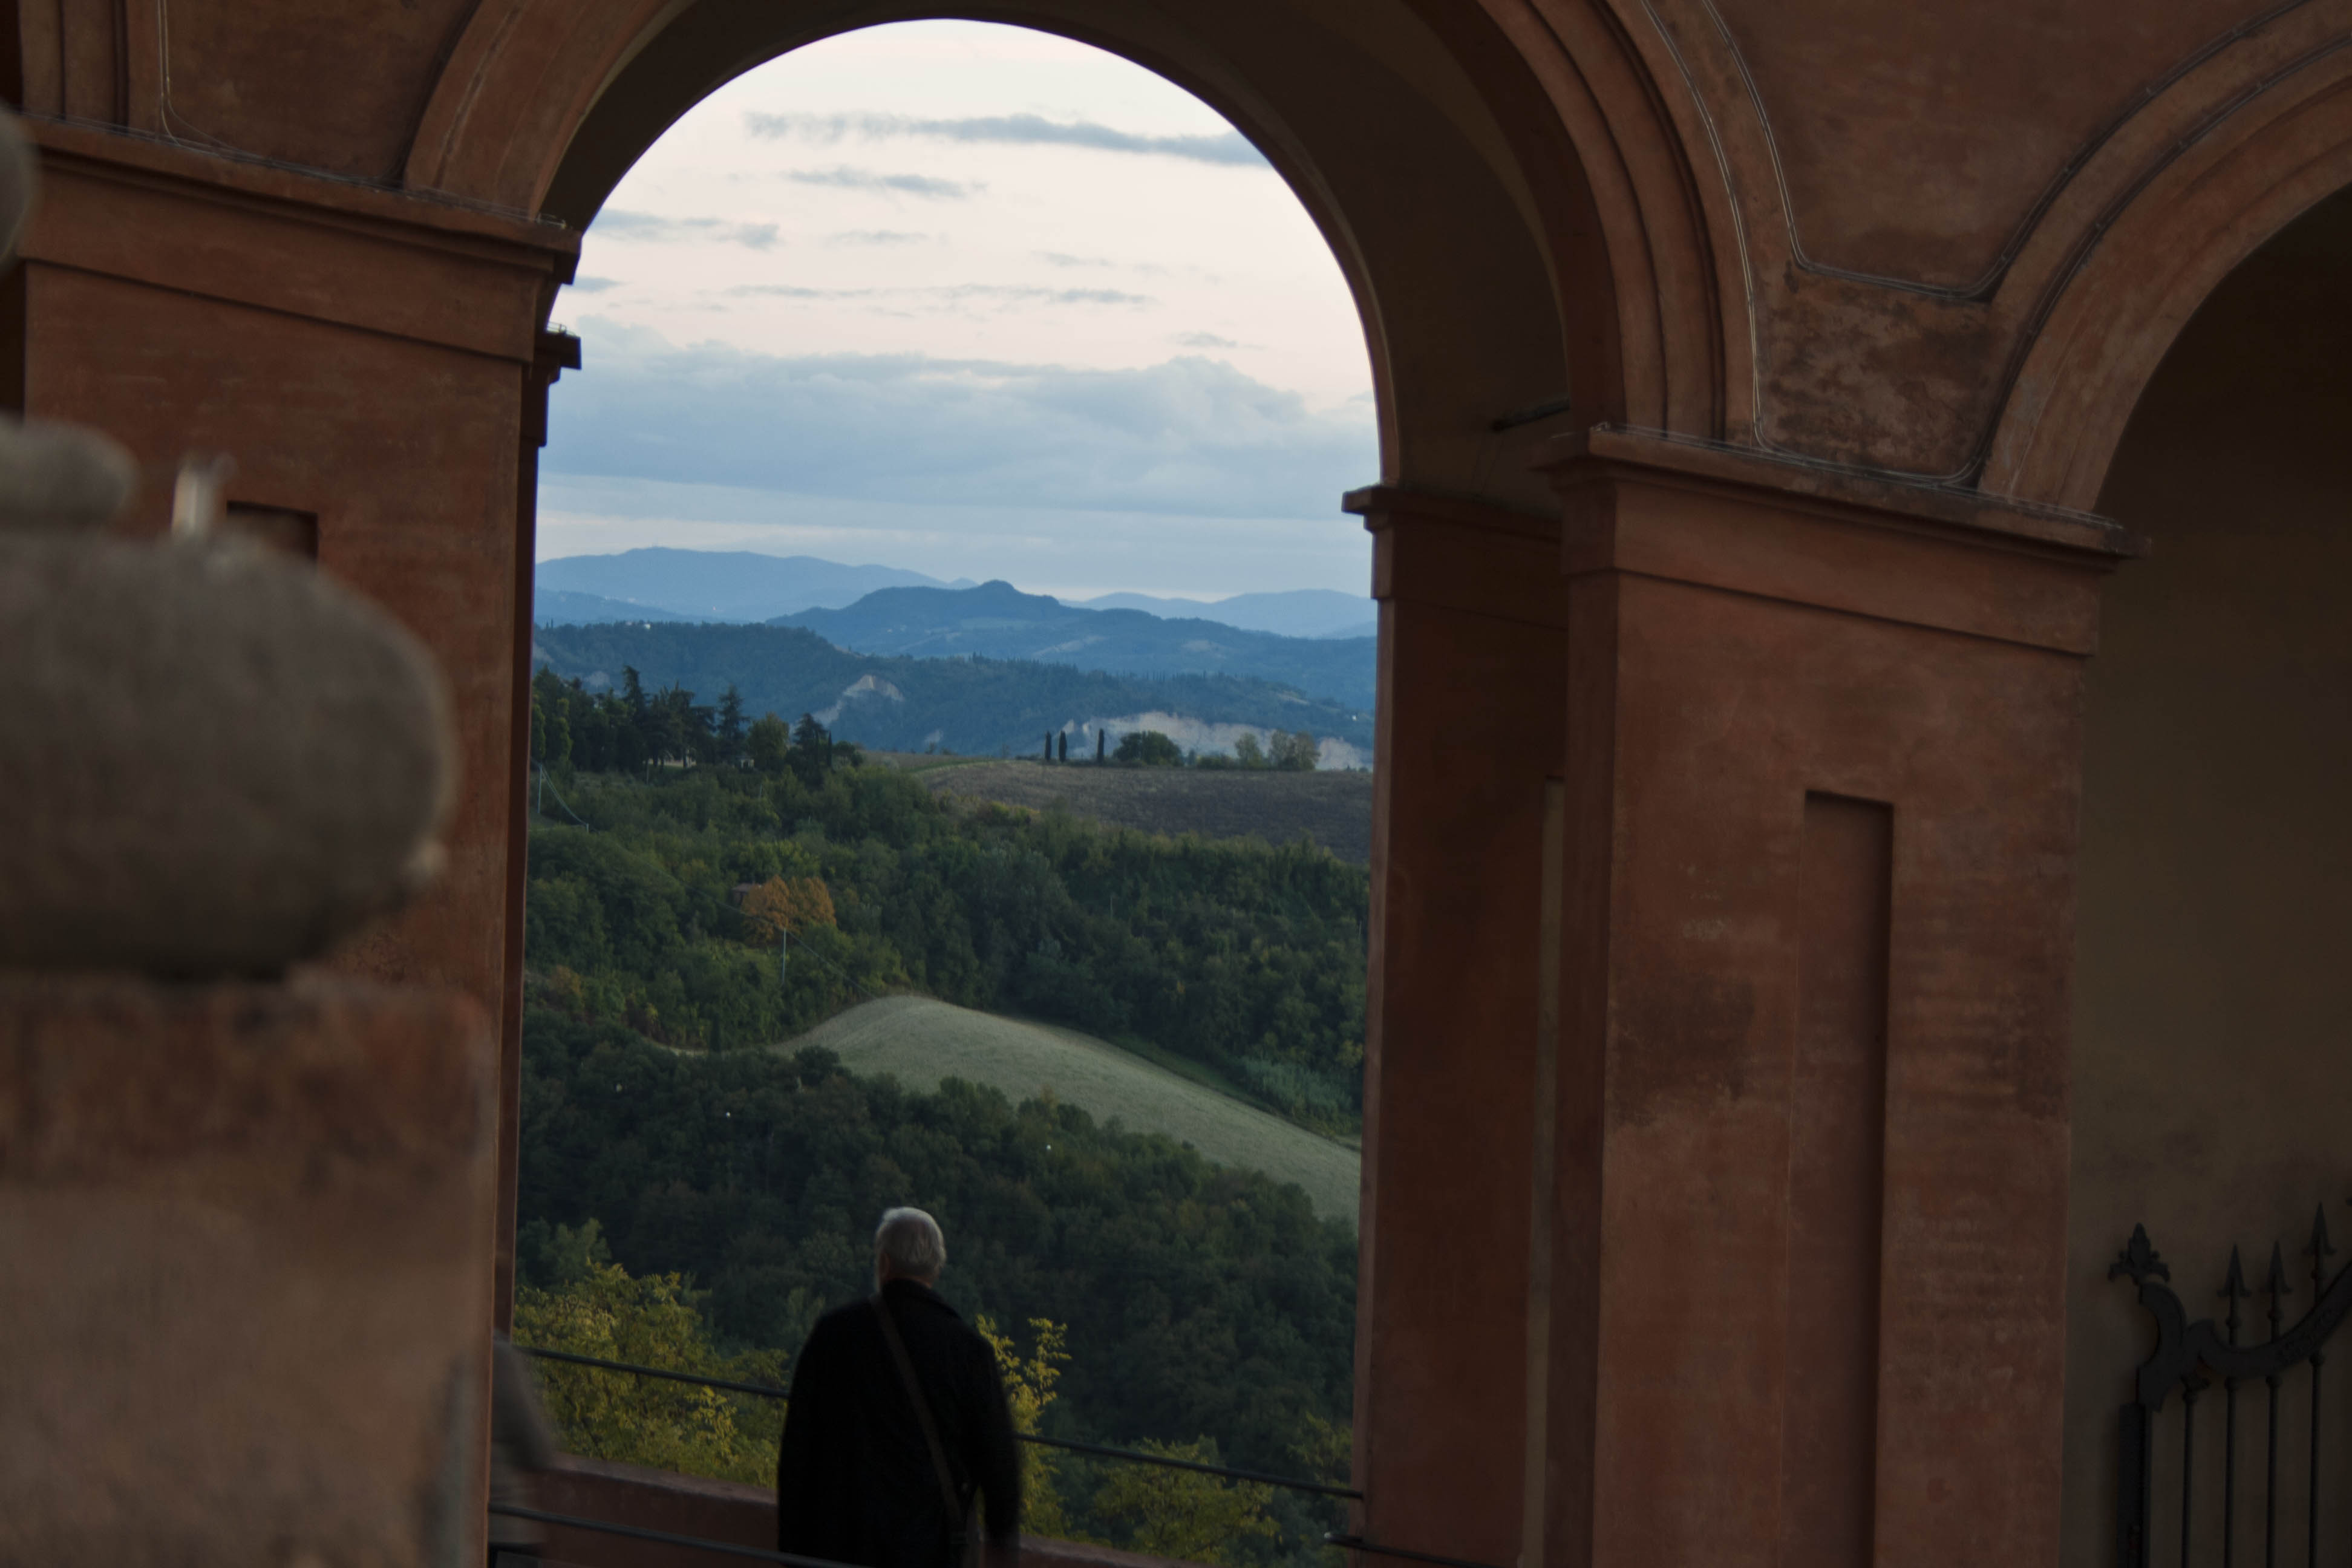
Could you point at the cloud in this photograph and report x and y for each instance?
(875, 237)
(1229, 148)
(1205, 341)
(945, 295)
(1192, 435)
(1061, 259)
(593, 285)
(616, 223)
(849, 179)
(796, 291)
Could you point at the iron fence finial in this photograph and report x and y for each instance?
(2139, 1259)
(2234, 1288)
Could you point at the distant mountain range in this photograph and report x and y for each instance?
(997, 620)
(976, 706)
(658, 584)
(560, 607)
(1298, 613)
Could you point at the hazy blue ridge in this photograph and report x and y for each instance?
(715, 584)
(971, 705)
(556, 607)
(1291, 613)
(996, 620)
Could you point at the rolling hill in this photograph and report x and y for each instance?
(1334, 809)
(996, 620)
(921, 1042)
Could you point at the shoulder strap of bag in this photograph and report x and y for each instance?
(922, 1416)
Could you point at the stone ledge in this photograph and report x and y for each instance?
(731, 1511)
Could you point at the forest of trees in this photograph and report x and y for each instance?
(1243, 958)
(692, 1199)
(698, 1211)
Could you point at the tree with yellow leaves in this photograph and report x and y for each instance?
(1182, 1513)
(784, 904)
(1028, 1389)
(599, 1311)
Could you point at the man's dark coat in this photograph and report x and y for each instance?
(854, 1478)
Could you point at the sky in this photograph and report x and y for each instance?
(970, 300)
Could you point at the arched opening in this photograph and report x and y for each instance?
(2210, 1090)
(1404, 172)
(1377, 129)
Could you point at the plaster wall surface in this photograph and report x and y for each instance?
(1915, 140)
(1729, 1424)
(2212, 1062)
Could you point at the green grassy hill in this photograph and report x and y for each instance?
(922, 1042)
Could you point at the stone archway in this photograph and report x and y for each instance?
(1439, 166)
(2210, 1088)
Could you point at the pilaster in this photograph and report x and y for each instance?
(1469, 740)
(1809, 1166)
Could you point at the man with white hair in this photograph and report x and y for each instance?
(897, 1426)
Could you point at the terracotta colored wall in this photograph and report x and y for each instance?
(1769, 1361)
(2213, 1076)
(356, 368)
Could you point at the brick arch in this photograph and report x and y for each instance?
(1503, 187)
(2153, 259)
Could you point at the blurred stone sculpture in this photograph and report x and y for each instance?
(215, 759)
(245, 1219)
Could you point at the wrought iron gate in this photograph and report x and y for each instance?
(2190, 1357)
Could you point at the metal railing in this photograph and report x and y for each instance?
(639, 1532)
(2189, 1357)
(770, 1391)
(761, 1554)
(1355, 1543)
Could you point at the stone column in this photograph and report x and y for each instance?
(247, 1242)
(1472, 653)
(1808, 1168)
